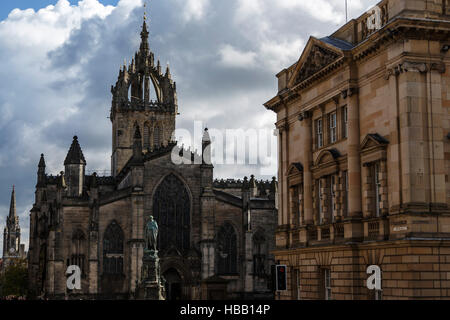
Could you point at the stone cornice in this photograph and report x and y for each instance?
(414, 66)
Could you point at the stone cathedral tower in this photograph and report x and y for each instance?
(215, 237)
(143, 96)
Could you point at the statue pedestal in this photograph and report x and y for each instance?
(151, 287)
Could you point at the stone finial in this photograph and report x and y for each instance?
(168, 75)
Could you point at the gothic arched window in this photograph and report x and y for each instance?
(172, 212)
(157, 137)
(146, 143)
(113, 249)
(78, 255)
(259, 253)
(227, 250)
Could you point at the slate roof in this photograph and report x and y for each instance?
(338, 43)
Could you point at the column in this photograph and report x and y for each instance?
(354, 162)
(306, 130)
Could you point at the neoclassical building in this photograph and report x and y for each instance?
(364, 127)
(215, 237)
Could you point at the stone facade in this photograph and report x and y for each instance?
(364, 120)
(215, 237)
(12, 248)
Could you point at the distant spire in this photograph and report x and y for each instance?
(12, 206)
(75, 155)
(42, 162)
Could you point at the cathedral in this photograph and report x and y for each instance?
(215, 236)
(12, 248)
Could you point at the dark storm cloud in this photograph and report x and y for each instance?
(223, 55)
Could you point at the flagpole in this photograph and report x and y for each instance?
(346, 12)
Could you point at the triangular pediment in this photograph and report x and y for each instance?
(316, 56)
(295, 168)
(373, 140)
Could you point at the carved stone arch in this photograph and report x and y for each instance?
(327, 163)
(178, 265)
(176, 279)
(171, 208)
(157, 87)
(326, 157)
(182, 179)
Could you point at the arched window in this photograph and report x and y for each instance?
(146, 141)
(259, 253)
(157, 137)
(227, 250)
(78, 255)
(113, 249)
(172, 212)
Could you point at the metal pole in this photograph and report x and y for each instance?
(346, 12)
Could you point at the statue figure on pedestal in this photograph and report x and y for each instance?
(151, 235)
(151, 287)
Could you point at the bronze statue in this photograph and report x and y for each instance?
(151, 235)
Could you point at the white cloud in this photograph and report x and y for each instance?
(194, 9)
(232, 57)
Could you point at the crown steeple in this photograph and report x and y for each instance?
(142, 92)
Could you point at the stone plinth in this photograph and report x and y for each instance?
(151, 287)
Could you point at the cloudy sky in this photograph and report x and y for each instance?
(58, 60)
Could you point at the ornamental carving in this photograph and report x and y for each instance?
(318, 59)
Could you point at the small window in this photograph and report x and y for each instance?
(319, 200)
(333, 198)
(377, 186)
(146, 143)
(333, 132)
(345, 183)
(157, 137)
(319, 133)
(296, 285)
(327, 282)
(344, 123)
